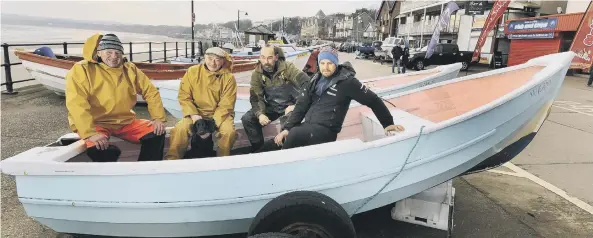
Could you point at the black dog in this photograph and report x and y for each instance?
(201, 147)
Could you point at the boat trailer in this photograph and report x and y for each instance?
(307, 214)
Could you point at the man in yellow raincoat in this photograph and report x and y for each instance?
(207, 91)
(100, 95)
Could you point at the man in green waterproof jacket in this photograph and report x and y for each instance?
(275, 86)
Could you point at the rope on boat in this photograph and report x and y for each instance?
(394, 177)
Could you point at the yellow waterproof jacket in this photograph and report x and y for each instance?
(98, 95)
(209, 94)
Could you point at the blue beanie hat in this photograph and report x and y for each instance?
(328, 54)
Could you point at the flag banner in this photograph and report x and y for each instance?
(583, 42)
(442, 24)
(495, 13)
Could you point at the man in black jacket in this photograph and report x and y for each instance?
(324, 104)
(396, 52)
(405, 58)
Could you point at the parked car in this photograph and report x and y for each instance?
(366, 50)
(444, 53)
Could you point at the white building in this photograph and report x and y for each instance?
(314, 27)
(417, 20)
(573, 6)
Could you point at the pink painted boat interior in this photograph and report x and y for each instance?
(448, 101)
(397, 81)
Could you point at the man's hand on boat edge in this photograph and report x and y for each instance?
(279, 139)
(101, 141)
(391, 130)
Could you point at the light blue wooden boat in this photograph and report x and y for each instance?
(59, 188)
(384, 85)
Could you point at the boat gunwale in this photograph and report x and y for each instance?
(436, 72)
(155, 167)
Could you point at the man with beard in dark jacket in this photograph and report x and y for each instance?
(324, 104)
(275, 85)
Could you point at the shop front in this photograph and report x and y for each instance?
(538, 36)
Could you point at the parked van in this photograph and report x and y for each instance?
(388, 44)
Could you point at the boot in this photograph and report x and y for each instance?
(152, 148)
(269, 145)
(111, 154)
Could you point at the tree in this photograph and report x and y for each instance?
(244, 24)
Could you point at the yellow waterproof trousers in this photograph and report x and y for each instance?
(180, 138)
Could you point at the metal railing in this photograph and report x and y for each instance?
(188, 45)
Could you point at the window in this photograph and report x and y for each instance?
(438, 49)
(449, 48)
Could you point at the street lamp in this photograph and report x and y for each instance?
(193, 22)
(238, 13)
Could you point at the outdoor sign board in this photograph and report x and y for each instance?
(548, 24)
(519, 36)
(476, 8)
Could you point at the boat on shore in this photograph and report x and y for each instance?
(298, 57)
(451, 127)
(383, 86)
(51, 72)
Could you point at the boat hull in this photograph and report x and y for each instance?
(54, 78)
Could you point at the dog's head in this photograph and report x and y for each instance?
(203, 127)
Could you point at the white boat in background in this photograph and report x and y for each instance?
(383, 86)
(298, 57)
(51, 72)
(451, 127)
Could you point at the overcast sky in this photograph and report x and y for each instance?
(179, 12)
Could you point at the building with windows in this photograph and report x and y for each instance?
(314, 27)
(384, 18)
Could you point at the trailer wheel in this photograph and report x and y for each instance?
(273, 235)
(306, 214)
